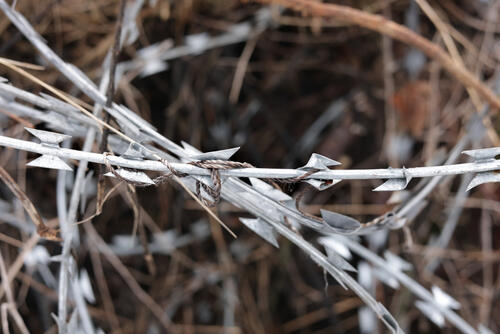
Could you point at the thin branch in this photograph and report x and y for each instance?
(390, 28)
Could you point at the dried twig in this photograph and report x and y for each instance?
(390, 28)
(43, 230)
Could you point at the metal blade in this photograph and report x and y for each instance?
(263, 229)
(483, 153)
(190, 149)
(49, 161)
(133, 176)
(335, 243)
(393, 185)
(444, 299)
(321, 184)
(338, 261)
(215, 155)
(484, 177)
(396, 262)
(386, 278)
(48, 137)
(319, 161)
(431, 312)
(340, 222)
(133, 153)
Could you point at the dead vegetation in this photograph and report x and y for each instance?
(370, 84)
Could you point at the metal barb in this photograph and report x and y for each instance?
(481, 178)
(443, 299)
(263, 229)
(132, 153)
(49, 161)
(483, 153)
(322, 184)
(318, 161)
(431, 312)
(340, 223)
(395, 184)
(338, 261)
(132, 176)
(397, 262)
(48, 138)
(215, 155)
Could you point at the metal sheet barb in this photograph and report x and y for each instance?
(263, 229)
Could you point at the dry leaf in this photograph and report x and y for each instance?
(411, 104)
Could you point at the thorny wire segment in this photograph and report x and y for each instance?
(214, 166)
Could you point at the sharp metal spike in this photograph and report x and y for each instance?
(483, 153)
(484, 177)
(49, 161)
(395, 184)
(386, 278)
(133, 153)
(321, 184)
(431, 312)
(335, 243)
(444, 299)
(190, 149)
(338, 261)
(268, 190)
(397, 262)
(319, 161)
(341, 223)
(133, 176)
(215, 155)
(117, 145)
(47, 137)
(365, 275)
(263, 229)
(392, 185)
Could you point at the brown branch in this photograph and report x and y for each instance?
(43, 230)
(401, 33)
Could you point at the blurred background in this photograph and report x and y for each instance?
(282, 86)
